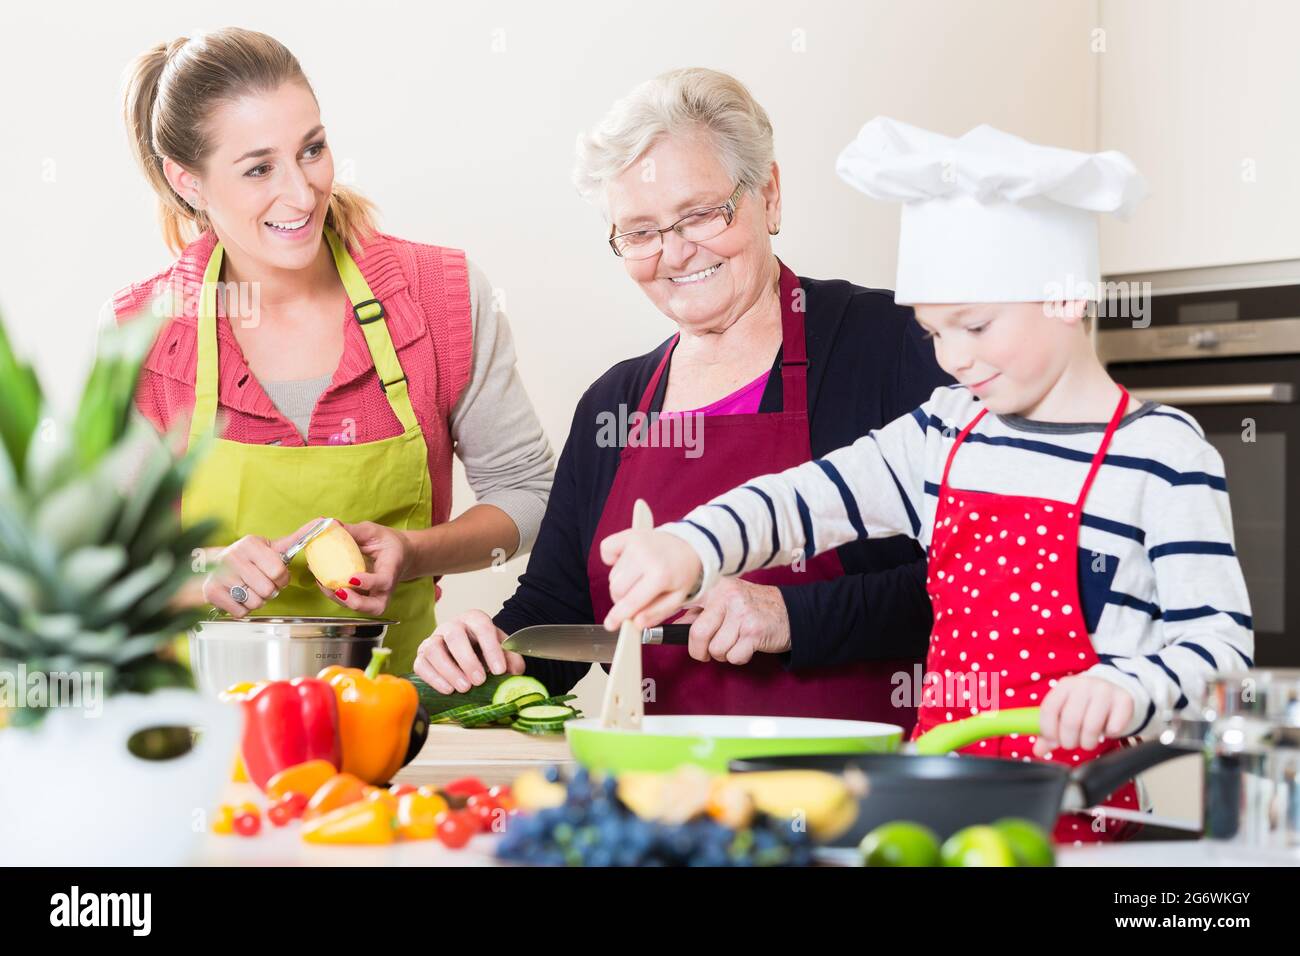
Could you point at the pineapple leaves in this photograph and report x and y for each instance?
(92, 547)
(20, 406)
(105, 409)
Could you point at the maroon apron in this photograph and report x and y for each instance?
(1003, 578)
(736, 449)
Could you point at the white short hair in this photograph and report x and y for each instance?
(680, 102)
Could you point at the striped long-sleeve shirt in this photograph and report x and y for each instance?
(1160, 586)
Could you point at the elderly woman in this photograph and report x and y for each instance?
(767, 370)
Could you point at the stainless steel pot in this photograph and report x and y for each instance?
(226, 651)
(1248, 733)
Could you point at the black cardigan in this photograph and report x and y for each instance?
(867, 365)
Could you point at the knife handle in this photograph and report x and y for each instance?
(667, 634)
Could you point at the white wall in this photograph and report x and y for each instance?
(459, 119)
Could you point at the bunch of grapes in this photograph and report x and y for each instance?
(594, 828)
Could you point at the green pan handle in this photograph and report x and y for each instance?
(994, 723)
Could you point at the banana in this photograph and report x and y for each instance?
(822, 801)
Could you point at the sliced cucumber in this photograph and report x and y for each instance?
(538, 729)
(546, 713)
(451, 716)
(555, 700)
(497, 713)
(480, 716)
(518, 686)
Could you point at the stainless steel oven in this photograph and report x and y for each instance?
(1224, 344)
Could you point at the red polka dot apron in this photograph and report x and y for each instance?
(1008, 624)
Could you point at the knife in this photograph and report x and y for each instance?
(589, 643)
(313, 532)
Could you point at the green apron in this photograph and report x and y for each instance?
(272, 490)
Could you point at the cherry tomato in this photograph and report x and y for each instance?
(484, 815)
(466, 786)
(247, 824)
(400, 790)
(289, 807)
(455, 829)
(297, 804)
(502, 795)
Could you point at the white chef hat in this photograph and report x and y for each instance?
(990, 217)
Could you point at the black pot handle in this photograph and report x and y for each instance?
(1098, 779)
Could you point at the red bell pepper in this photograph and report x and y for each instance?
(287, 723)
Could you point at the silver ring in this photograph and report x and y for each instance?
(239, 594)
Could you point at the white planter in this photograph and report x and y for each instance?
(71, 794)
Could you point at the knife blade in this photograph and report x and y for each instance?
(313, 532)
(589, 643)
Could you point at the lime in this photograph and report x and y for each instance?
(900, 844)
(977, 846)
(1029, 842)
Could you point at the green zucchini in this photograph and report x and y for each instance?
(518, 686)
(439, 704)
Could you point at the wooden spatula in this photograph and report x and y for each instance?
(623, 707)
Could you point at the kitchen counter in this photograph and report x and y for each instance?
(494, 755)
(498, 755)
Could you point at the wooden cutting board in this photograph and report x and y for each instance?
(494, 755)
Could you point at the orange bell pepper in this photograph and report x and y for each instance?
(417, 814)
(338, 791)
(305, 778)
(367, 822)
(375, 716)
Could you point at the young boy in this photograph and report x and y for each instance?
(1079, 541)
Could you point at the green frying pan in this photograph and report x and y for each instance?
(665, 742)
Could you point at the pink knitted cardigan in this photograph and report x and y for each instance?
(425, 293)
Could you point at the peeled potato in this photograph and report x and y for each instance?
(334, 558)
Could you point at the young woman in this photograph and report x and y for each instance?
(335, 368)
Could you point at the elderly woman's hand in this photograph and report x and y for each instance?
(458, 654)
(738, 620)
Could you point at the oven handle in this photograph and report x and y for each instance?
(1274, 393)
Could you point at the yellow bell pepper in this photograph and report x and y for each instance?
(234, 694)
(375, 715)
(417, 814)
(224, 824)
(366, 822)
(381, 795)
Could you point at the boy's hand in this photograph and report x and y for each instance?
(1082, 711)
(651, 574)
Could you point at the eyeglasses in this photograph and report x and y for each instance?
(700, 226)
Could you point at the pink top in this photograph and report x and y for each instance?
(743, 401)
(425, 292)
